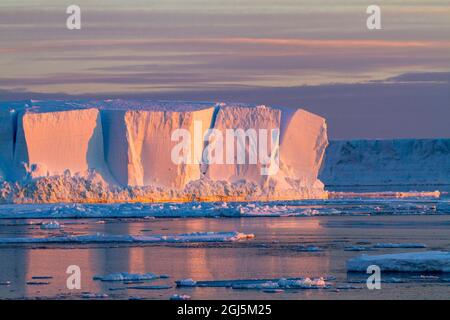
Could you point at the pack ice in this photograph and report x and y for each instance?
(387, 162)
(120, 150)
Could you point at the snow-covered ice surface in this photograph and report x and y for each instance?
(428, 261)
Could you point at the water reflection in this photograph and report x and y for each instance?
(273, 253)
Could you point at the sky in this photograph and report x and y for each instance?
(317, 54)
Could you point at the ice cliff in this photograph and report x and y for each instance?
(122, 150)
(403, 162)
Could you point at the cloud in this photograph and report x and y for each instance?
(405, 109)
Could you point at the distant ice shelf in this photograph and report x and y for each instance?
(396, 162)
(426, 261)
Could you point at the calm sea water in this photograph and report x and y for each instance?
(273, 253)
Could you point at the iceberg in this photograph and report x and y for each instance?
(102, 151)
(426, 261)
(399, 162)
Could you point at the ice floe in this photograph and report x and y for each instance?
(307, 249)
(260, 284)
(180, 297)
(356, 248)
(88, 295)
(399, 245)
(101, 238)
(427, 261)
(51, 225)
(124, 276)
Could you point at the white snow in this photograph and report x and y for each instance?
(427, 261)
(387, 162)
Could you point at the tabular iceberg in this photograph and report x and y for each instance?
(123, 150)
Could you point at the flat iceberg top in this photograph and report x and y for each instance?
(114, 104)
(125, 105)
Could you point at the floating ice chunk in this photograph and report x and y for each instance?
(158, 287)
(259, 284)
(347, 287)
(94, 296)
(51, 225)
(400, 245)
(100, 238)
(272, 290)
(427, 261)
(308, 249)
(356, 248)
(37, 283)
(180, 297)
(124, 276)
(186, 283)
(302, 283)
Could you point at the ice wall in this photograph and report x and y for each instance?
(50, 142)
(387, 162)
(139, 144)
(303, 143)
(300, 146)
(227, 165)
(122, 150)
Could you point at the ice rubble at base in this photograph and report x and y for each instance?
(427, 261)
(120, 150)
(387, 162)
(102, 238)
(298, 208)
